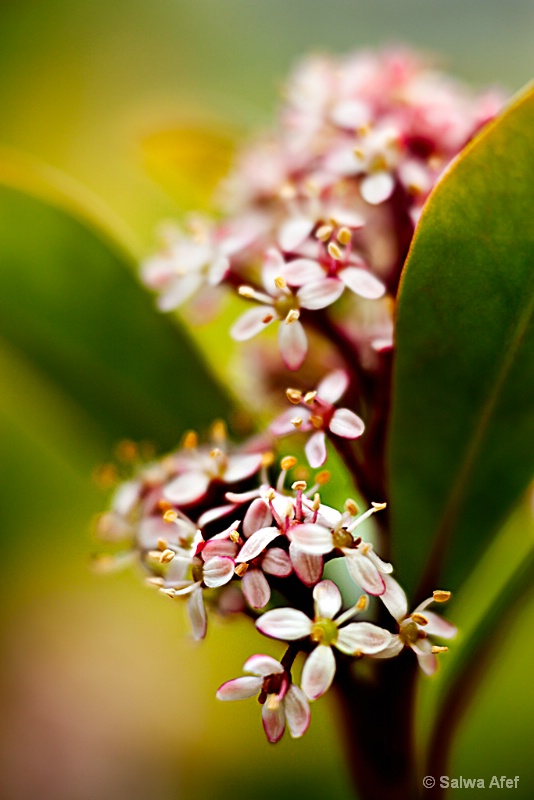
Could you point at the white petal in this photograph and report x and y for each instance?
(282, 425)
(219, 547)
(362, 282)
(327, 599)
(315, 449)
(302, 271)
(309, 568)
(274, 721)
(277, 562)
(318, 672)
(394, 598)
(377, 188)
(346, 423)
(126, 497)
(393, 649)
(364, 573)
(437, 626)
(362, 637)
(297, 711)
(287, 624)
(428, 663)
(312, 538)
(293, 232)
(187, 488)
(350, 114)
(262, 665)
(258, 516)
(257, 542)
(256, 588)
(251, 322)
(197, 614)
(242, 466)
(218, 571)
(345, 217)
(215, 513)
(180, 290)
(272, 268)
(320, 294)
(218, 269)
(382, 566)
(333, 386)
(240, 688)
(293, 344)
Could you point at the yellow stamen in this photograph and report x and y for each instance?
(292, 316)
(334, 251)
(324, 232)
(267, 458)
(309, 397)
(363, 602)
(218, 431)
(379, 506)
(288, 462)
(234, 537)
(297, 422)
(162, 544)
(299, 485)
(344, 236)
(190, 440)
(419, 619)
(170, 516)
(167, 556)
(441, 596)
(436, 649)
(294, 396)
(280, 282)
(351, 507)
(322, 477)
(241, 569)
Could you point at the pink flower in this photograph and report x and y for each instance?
(282, 702)
(356, 638)
(317, 413)
(416, 628)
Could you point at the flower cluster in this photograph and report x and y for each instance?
(317, 220)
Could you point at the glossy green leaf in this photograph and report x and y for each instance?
(70, 304)
(462, 429)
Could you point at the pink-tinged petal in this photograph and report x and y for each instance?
(257, 542)
(218, 270)
(252, 322)
(422, 647)
(262, 665)
(219, 547)
(315, 449)
(394, 598)
(428, 663)
(272, 268)
(333, 386)
(348, 218)
(218, 571)
(297, 711)
(215, 513)
(382, 344)
(187, 488)
(393, 649)
(241, 497)
(312, 538)
(180, 290)
(277, 562)
(283, 426)
(183, 588)
(157, 271)
(287, 624)
(382, 566)
(258, 516)
(437, 626)
(362, 637)
(274, 720)
(125, 497)
(327, 599)
(256, 588)
(293, 344)
(242, 466)
(240, 688)
(197, 614)
(364, 573)
(351, 114)
(346, 423)
(362, 282)
(318, 672)
(302, 271)
(320, 294)
(309, 568)
(293, 232)
(377, 188)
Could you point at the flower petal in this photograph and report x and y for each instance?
(242, 466)
(362, 282)
(219, 547)
(346, 423)
(297, 711)
(364, 573)
(327, 599)
(187, 488)
(309, 568)
(287, 624)
(437, 626)
(428, 663)
(277, 562)
(274, 721)
(263, 665)
(333, 386)
(179, 290)
(318, 672)
(302, 271)
(320, 294)
(256, 588)
(215, 513)
(197, 614)
(293, 232)
(377, 188)
(394, 598)
(218, 571)
(251, 322)
(393, 649)
(257, 542)
(315, 449)
(293, 344)
(258, 516)
(240, 688)
(312, 538)
(362, 637)
(283, 425)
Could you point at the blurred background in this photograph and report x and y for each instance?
(103, 694)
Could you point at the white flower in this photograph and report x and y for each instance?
(282, 702)
(356, 638)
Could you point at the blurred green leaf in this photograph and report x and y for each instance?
(462, 431)
(71, 306)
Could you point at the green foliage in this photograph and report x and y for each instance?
(462, 430)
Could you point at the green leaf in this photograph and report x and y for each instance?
(69, 303)
(462, 427)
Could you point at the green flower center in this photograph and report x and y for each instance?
(324, 631)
